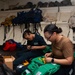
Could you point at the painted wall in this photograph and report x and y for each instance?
(61, 21)
(22, 2)
(34, 1)
(1, 5)
(4, 5)
(7, 3)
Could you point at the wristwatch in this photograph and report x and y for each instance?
(52, 60)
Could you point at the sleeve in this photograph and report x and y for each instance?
(28, 43)
(68, 49)
(42, 41)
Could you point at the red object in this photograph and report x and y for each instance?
(9, 46)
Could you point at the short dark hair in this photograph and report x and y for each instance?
(52, 28)
(26, 32)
